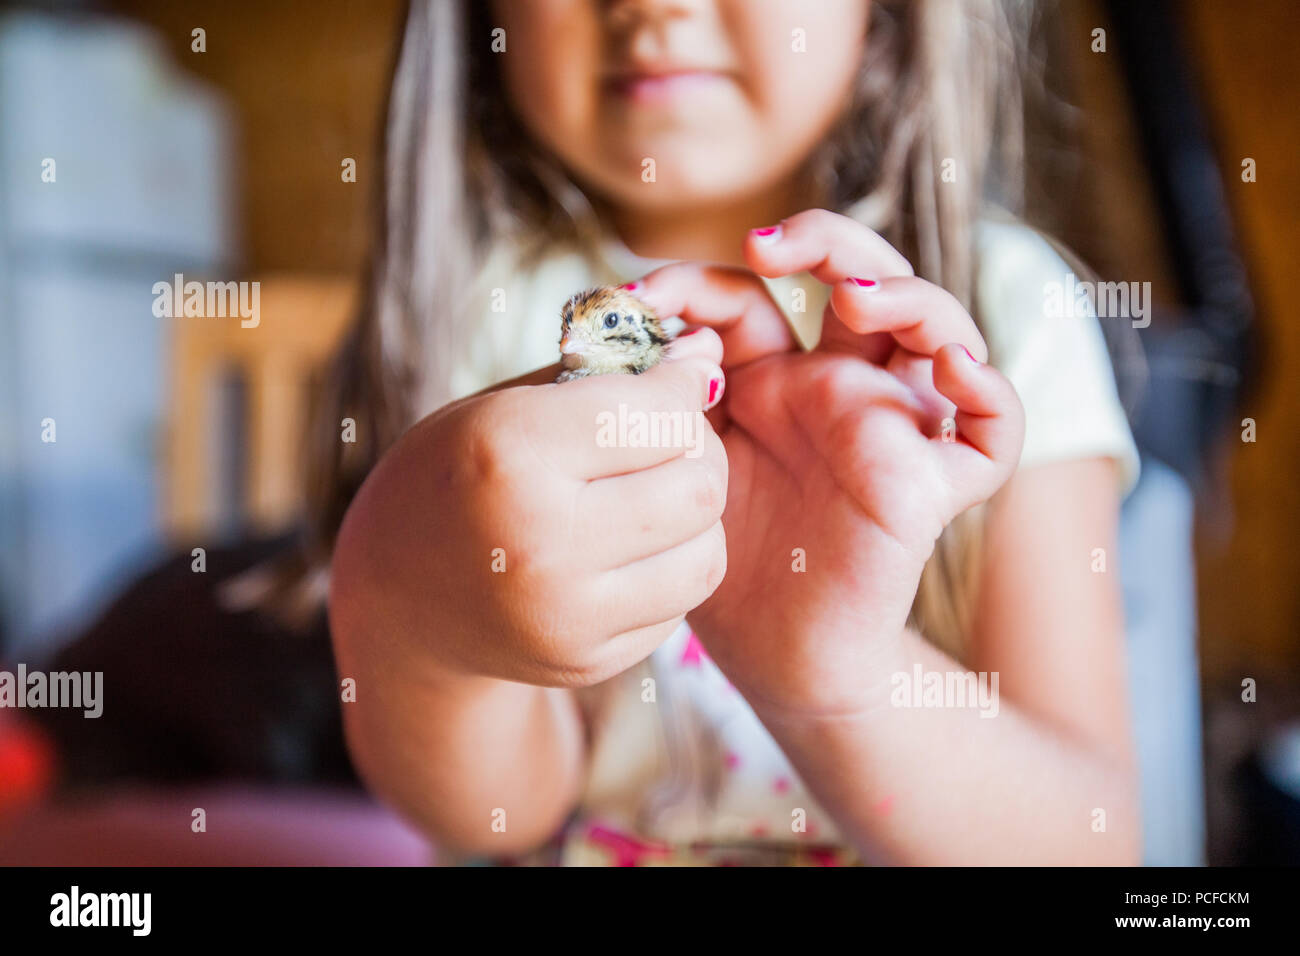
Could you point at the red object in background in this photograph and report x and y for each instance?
(26, 767)
(246, 826)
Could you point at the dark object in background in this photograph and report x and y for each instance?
(194, 692)
(1270, 784)
(1199, 366)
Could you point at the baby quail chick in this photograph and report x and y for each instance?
(608, 331)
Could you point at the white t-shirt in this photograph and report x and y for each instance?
(692, 775)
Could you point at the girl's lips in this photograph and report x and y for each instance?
(663, 87)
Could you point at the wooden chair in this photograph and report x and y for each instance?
(302, 320)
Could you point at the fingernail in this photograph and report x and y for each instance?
(971, 357)
(865, 283)
(767, 235)
(690, 332)
(631, 287)
(715, 392)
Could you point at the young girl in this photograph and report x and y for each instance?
(754, 652)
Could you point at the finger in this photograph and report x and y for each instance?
(540, 376)
(731, 301)
(921, 316)
(990, 426)
(626, 518)
(833, 248)
(616, 424)
(916, 372)
(699, 342)
(631, 647)
(665, 585)
(830, 246)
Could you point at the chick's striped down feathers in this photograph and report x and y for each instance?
(608, 331)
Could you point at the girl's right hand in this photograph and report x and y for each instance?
(504, 536)
(844, 470)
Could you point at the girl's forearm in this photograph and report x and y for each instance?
(484, 766)
(944, 785)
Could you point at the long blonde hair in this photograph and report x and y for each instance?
(941, 81)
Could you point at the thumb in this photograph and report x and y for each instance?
(700, 342)
(691, 371)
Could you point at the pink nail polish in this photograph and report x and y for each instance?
(689, 332)
(767, 235)
(971, 357)
(715, 389)
(631, 287)
(865, 283)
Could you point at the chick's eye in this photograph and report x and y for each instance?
(611, 320)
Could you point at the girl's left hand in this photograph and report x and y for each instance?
(846, 462)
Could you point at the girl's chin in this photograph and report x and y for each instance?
(708, 116)
(679, 198)
(661, 172)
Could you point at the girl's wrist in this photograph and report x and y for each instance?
(857, 687)
(410, 670)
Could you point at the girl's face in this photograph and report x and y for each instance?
(661, 104)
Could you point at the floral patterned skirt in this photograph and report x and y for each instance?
(588, 843)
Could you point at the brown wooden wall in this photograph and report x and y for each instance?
(1250, 580)
(307, 79)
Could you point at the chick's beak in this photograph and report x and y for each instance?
(572, 345)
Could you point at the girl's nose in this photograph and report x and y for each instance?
(626, 14)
